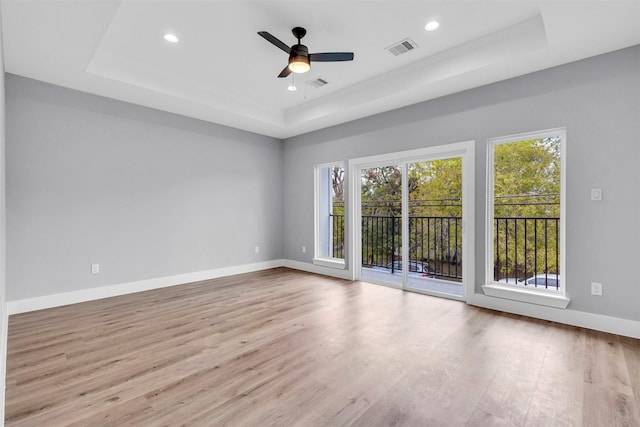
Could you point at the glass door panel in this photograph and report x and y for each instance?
(435, 226)
(381, 221)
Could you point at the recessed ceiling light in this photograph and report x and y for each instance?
(171, 38)
(292, 88)
(432, 25)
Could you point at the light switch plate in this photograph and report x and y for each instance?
(596, 194)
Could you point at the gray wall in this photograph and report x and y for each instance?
(144, 193)
(597, 100)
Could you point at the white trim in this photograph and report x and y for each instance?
(468, 219)
(404, 218)
(355, 230)
(316, 206)
(330, 262)
(317, 252)
(445, 151)
(464, 150)
(582, 319)
(311, 268)
(526, 295)
(493, 288)
(66, 298)
(348, 212)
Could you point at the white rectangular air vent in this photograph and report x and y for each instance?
(401, 47)
(317, 82)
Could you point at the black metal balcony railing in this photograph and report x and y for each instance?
(523, 247)
(434, 244)
(381, 236)
(336, 224)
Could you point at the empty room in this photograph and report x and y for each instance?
(319, 213)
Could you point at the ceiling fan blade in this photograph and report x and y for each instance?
(285, 72)
(331, 56)
(274, 41)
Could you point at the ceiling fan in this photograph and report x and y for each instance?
(299, 57)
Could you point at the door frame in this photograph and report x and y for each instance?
(466, 151)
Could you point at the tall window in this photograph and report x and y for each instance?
(330, 241)
(525, 224)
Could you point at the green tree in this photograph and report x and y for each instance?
(527, 207)
(435, 188)
(526, 185)
(381, 208)
(381, 191)
(527, 178)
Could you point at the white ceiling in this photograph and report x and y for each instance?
(223, 72)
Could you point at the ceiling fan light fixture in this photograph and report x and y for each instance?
(299, 64)
(171, 38)
(432, 26)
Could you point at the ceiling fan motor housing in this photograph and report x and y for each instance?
(299, 51)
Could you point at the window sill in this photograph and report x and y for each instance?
(526, 295)
(330, 262)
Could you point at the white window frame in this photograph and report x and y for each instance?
(464, 150)
(318, 259)
(534, 296)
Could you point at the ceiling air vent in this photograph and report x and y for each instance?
(401, 47)
(317, 82)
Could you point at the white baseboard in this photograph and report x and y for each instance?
(614, 325)
(598, 322)
(66, 298)
(318, 269)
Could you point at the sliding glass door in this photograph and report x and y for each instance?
(409, 217)
(381, 220)
(435, 226)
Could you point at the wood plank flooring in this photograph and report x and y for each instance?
(287, 348)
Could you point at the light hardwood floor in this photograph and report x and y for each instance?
(282, 347)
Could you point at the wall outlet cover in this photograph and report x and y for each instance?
(596, 289)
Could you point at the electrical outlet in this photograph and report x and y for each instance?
(304, 249)
(257, 249)
(95, 268)
(596, 194)
(596, 288)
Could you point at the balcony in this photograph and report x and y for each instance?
(526, 249)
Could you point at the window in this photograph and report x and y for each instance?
(329, 215)
(525, 221)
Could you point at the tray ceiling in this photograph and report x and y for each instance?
(222, 71)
